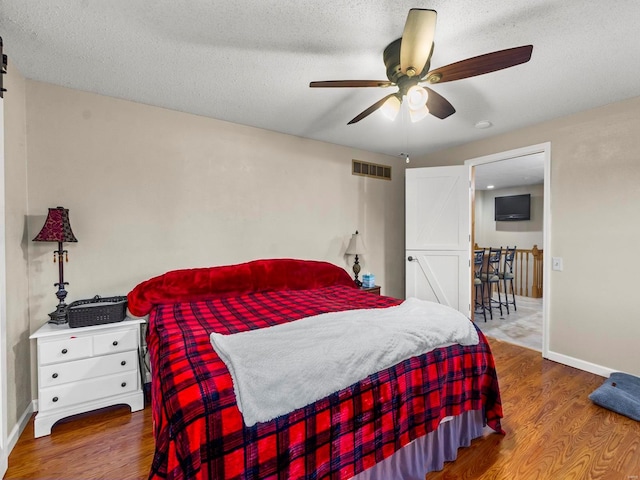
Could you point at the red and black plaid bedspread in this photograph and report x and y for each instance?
(199, 430)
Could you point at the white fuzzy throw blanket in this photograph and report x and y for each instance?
(279, 369)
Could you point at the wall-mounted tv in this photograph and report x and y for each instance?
(513, 208)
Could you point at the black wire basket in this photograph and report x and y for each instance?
(97, 311)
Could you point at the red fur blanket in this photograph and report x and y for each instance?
(232, 280)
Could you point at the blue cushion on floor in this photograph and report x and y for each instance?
(619, 393)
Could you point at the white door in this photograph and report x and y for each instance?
(438, 235)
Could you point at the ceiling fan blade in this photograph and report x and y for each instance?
(352, 83)
(371, 109)
(487, 63)
(438, 105)
(417, 39)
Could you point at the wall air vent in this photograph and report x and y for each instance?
(367, 169)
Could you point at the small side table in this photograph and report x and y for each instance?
(85, 368)
(375, 289)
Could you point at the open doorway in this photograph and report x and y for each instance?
(517, 173)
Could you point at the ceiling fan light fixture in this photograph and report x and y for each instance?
(417, 97)
(391, 107)
(418, 114)
(417, 101)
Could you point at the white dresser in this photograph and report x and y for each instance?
(85, 368)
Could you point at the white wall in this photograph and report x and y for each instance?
(595, 200)
(16, 247)
(523, 234)
(151, 190)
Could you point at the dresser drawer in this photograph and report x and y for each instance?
(63, 350)
(116, 341)
(87, 368)
(67, 394)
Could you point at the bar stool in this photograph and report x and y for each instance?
(506, 275)
(478, 265)
(491, 277)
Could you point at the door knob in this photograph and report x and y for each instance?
(410, 258)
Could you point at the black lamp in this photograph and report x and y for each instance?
(58, 229)
(356, 247)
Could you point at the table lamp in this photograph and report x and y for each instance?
(356, 247)
(57, 229)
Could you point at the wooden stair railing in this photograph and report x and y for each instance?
(527, 271)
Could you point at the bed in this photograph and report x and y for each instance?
(399, 422)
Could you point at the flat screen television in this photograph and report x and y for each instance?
(513, 208)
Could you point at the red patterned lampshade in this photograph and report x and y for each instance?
(56, 227)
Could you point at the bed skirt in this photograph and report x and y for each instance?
(428, 453)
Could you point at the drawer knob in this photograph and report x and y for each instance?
(123, 384)
(55, 399)
(64, 350)
(55, 375)
(115, 343)
(123, 363)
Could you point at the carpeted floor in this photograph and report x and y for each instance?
(522, 327)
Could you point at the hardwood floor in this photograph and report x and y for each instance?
(553, 432)
(110, 444)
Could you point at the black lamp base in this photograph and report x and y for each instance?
(59, 316)
(356, 271)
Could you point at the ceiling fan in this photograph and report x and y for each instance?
(408, 62)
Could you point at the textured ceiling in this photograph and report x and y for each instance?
(515, 172)
(250, 62)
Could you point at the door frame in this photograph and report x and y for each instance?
(545, 150)
(4, 454)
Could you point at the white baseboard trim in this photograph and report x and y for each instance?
(4, 463)
(580, 364)
(19, 427)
